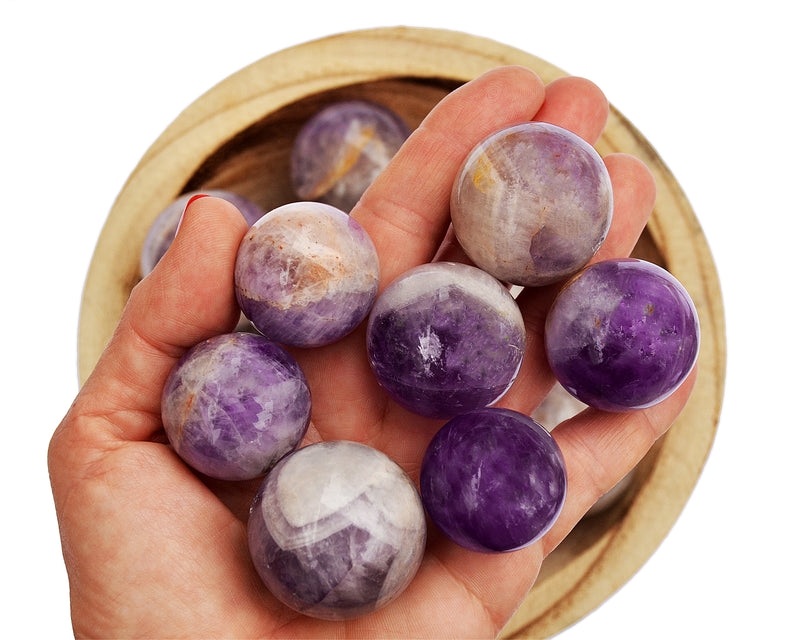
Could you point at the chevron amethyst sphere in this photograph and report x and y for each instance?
(162, 230)
(337, 530)
(341, 150)
(622, 335)
(444, 338)
(235, 404)
(532, 204)
(306, 274)
(493, 480)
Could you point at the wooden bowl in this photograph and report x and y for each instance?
(238, 136)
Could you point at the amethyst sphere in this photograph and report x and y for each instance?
(162, 231)
(444, 338)
(493, 480)
(337, 530)
(532, 204)
(235, 404)
(306, 274)
(622, 335)
(341, 150)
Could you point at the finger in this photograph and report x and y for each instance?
(634, 196)
(570, 102)
(406, 209)
(601, 448)
(187, 298)
(499, 582)
(634, 190)
(576, 104)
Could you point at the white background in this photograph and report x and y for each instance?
(88, 87)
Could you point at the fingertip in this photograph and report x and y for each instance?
(517, 75)
(634, 189)
(189, 295)
(188, 203)
(576, 104)
(498, 97)
(210, 216)
(631, 173)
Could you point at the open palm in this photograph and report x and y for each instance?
(154, 550)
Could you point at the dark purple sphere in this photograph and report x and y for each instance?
(342, 149)
(493, 480)
(622, 335)
(337, 530)
(234, 405)
(445, 338)
(162, 230)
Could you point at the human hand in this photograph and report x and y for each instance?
(153, 549)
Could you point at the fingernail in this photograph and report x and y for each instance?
(192, 199)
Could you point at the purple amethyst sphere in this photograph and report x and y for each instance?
(306, 274)
(532, 204)
(622, 335)
(444, 338)
(341, 150)
(162, 230)
(337, 530)
(235, 404)
(493, 480)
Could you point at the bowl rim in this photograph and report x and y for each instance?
(246, 96)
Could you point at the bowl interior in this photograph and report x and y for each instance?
(255, 162)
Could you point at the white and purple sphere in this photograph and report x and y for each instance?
(306, 274)
(234, 405)
(337, 530)
(532, 204)
(341, 149)
(444, 338)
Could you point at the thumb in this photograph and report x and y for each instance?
(187, 298)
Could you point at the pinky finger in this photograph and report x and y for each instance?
(601, 448)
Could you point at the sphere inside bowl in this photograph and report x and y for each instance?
(238, 136)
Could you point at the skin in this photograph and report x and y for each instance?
(154, 550)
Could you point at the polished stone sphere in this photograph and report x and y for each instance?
(493, 480)
(235, 404)
(306, 274)
(444, 338)
(337, 530)
(162, 231)
(622, 335)
(342, 148)
(532, 204)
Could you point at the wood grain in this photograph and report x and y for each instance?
(238, 135)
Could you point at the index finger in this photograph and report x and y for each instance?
(406, 210)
